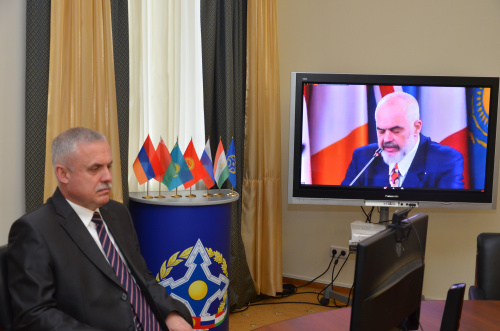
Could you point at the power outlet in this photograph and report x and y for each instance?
(339, 251)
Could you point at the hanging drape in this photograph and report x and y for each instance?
(261, 214)
(36, 95)
(81, 79)
(166, 92)
(224, 80)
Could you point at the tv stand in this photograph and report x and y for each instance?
(384, 215)
(331, 294)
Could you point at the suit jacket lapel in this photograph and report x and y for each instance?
(74, 227)
(416, 173)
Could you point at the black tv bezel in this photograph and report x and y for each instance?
(344, 195)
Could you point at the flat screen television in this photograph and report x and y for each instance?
(333, 115)
(389, 277)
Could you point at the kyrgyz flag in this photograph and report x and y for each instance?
(221, 173)
(194, 164)
(206, 160)
(179, 174)
(147, 163)
(165, 158)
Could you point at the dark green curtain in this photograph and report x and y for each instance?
(37, 88)
(37, 78)
(223, 34)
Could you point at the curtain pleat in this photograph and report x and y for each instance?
(82, 88)
(119, 18)
(37, 86)
(261, 221)
(224, 79)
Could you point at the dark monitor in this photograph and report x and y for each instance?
(389, 277)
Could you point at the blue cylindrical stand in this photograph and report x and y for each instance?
(186, 245)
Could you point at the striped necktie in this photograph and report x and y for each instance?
(395, 176)
(143, 316)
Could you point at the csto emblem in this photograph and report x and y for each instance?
(198, 277)
(231, 163)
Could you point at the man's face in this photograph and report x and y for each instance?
(86, 180)
(396, 134)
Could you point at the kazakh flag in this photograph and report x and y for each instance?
(179, 174)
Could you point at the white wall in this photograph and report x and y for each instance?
(12, 69)
(428, 37)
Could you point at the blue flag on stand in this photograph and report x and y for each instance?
(231, 164)
(182, 173)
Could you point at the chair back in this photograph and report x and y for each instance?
(488, 265)
(5, 309)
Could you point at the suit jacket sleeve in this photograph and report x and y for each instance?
(31, 283)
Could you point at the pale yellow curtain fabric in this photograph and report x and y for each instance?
(81, 78)
(261, 204)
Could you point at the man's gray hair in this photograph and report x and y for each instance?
(65, 143)
(412, 107)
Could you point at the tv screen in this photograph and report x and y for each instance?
(389, 277)
(393, 140)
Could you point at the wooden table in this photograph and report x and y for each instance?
(476, 315)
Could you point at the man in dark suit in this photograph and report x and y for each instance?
(60, 277)
(403, 157)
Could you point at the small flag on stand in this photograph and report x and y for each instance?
(221, 173)
(206, 160)
(146, 162)
(164, 158)
(178, 175)
(194, 164)
(231, 163)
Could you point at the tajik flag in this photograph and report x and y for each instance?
(221, 172)
(338, 124)
(443, 112)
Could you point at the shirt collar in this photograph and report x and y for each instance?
(85, 214)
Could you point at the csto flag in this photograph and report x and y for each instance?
(147, 164)
(194, 164)
(443, 112)
(231, 163)
(164, 157)
(337, 125)
(179, 173)
(221, 172)
(478, 104)
(206, 160)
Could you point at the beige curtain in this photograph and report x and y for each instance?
(261, 204)
(82, 79)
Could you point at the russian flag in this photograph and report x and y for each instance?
(337, 125)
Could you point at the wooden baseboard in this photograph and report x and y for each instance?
(320, 286)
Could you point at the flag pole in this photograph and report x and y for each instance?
(232, 194)
(160, 196)
(218, 194)
(147, 196)
(208, 195)
(176, 195)
(191, 195)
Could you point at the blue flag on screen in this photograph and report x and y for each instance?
(231, 163)
(182, 173)
(478, 109)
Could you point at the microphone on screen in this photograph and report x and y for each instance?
(377, 153)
